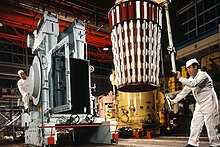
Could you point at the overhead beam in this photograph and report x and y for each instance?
(25, 16)
(100, 57)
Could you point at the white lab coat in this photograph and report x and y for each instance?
(206, 110)
(24, 88)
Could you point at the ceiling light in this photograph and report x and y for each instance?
(105, 49)
(1, 24)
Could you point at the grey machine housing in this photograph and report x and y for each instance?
(61, 87)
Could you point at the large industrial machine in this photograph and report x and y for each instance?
(136, 45)
(63, 108)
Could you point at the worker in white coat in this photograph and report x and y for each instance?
(206, 108)
(24, 88)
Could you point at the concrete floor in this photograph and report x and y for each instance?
(154, 142)
(161, 142)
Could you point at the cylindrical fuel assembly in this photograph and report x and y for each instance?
(136, 44)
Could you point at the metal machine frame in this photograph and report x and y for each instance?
(50, 77)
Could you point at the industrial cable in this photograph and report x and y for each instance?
(162, 70)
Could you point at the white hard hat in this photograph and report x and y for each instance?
(191, 61)
(20, 71)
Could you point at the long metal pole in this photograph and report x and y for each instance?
(171, 48)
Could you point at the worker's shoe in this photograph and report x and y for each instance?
(189, 145)
(26, 110)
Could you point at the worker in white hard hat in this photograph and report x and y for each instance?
(24, 88)
(206, 108)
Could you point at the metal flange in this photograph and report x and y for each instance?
(35, 79)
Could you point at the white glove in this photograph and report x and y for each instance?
(172, 102)
(178, 75)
